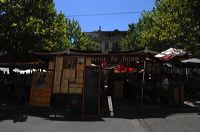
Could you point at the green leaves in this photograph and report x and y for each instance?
(173, 23)
(35, 25)
(23, 25)
(77, 39)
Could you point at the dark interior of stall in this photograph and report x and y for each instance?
(15, 87)
(127, 86)
(16, 76)
(192, 84)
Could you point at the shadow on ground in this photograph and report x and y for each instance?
(20, 113)
(122, 109)
(128, 110)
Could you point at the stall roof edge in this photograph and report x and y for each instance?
(87, 52)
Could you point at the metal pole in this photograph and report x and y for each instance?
(143, 77)
(143, 82)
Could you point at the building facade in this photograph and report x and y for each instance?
(107, 40)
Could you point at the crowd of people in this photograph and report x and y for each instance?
(15, 87)
(161, 87)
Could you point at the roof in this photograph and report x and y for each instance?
(118, 56)
(20, 60)
(114, 31)
(16, 57)
(86, 52)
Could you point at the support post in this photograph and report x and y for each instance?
(143, 82)
(143, 77)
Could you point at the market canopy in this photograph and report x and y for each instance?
(98, 57)
(170, 54)
(193, 60)
(20, 60)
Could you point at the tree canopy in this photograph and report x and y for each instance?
(35, 25)
(172, 23)
(77, 38)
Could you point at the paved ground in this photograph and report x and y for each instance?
(35, 124)
(126, 119)
(184, 122)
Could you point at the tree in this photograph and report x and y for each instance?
(85, 43)
(59, 37)
(136, 36)
(25, 23)
(130, 41)
(180, 23)
(34, 25)
(77, 38)
(173, 23)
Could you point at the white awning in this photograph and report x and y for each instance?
(193, 60)
(170, 53)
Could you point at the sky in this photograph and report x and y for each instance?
(91, 22)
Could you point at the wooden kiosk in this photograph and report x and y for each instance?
(74, 76)
(77, 77)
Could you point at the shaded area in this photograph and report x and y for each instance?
(20, 113)
(122, 109)
(127, 109)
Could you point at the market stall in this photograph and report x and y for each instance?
(73, 71)
(192, 69)
(171, 60)
(16, 70)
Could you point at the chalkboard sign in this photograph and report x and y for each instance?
(91, 91)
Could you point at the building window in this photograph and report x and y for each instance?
(106, 46)
(115, 46)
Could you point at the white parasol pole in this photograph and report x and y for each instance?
(186, 72)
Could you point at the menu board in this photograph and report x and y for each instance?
(41, 89)
(88, 61)
(57, 78)
(65, 81)
(64, 86)
(91, 91)
(59, 63)
(51, 65)
(69, 63)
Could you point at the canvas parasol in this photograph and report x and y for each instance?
(170, 53)
(193, 60)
